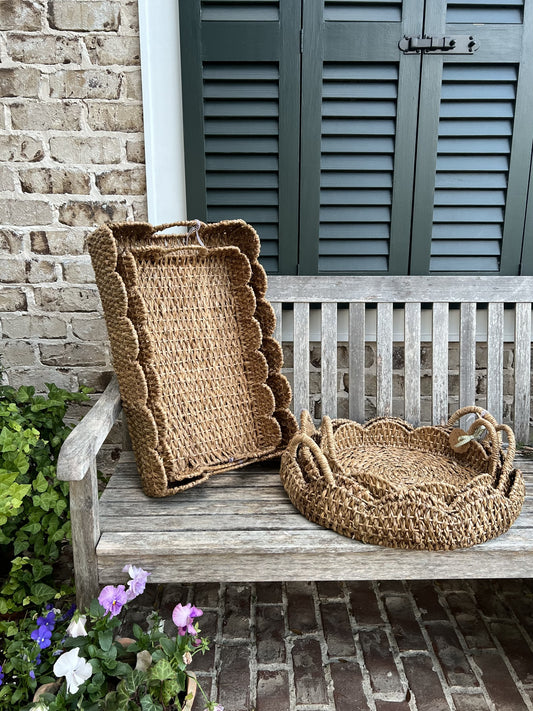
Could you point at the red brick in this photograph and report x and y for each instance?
(405, 626)
(269, 634)
(329, 589)
(364, 603)
(237, 611)
(522, 606)
(391, 587)
(348, 687)
(268, 592)
(234, 677)
(516, 648)
(379, 661)
(301, 608)
(337, 629)
(273, 691)
(469, 702)
(392, 705)
(452, 658)
(207, 623)
(469, 621)
(206, 684)
(427, 600)
(498, 682)
(425, 684)
(487, 598)
(206, 595)
(309, 678)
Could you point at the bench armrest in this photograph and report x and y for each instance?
(83, 443)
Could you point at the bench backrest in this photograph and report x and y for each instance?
(412, 310)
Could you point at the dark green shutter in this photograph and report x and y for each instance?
(475, 122)
(241, 87)
(359, 105)
(348, 156)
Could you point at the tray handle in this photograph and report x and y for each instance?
(322, 462)
(194, 227)
(493, 429)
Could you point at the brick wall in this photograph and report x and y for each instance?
(71, 157)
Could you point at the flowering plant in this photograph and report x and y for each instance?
(67, 661)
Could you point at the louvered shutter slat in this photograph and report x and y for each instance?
(356, 165)
(462, 142)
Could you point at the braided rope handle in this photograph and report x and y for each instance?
(307, 426)
(194, 225)
(322, 462)
(328, 440)
(493, 428)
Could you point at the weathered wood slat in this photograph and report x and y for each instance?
(218, 497)
(204, 521)
(384, 360)
(301, 358)
(84, 517)
(440, 364)
(356, 356)
(126, 476)
(522, 371)
(412, 363)
(467, 357)
(83, 443)
(375, 289)
(329, 359)
(278, 313)
(282, 555)
(495, 360)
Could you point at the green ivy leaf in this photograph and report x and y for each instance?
(40, 484)
(148, 704)
(161, 671)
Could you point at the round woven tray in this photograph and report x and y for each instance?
(385, 482)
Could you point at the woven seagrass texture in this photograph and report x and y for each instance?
(390, 484)
(196, 373)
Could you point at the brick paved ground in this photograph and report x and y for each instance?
(387, 646)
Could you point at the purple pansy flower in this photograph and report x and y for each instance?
(69, 613)
(1, 676)
(49, 621)
(32, 674)
(138, 581)
(183, 617)
(113, 599)
(42, 636)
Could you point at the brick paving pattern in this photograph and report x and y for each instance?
(357, 646)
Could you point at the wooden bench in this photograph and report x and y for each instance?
(240, 526)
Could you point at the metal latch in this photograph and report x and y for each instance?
(458, 44)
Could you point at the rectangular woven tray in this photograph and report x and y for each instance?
(188, 348)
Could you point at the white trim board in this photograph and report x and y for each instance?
(162, 109)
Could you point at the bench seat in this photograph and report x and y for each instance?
(241, 526)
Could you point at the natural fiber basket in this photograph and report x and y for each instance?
(199, 380)
(430, 488)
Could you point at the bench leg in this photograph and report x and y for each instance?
(85, 535)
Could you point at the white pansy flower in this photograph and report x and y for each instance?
(76, 628)
(75, 669)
